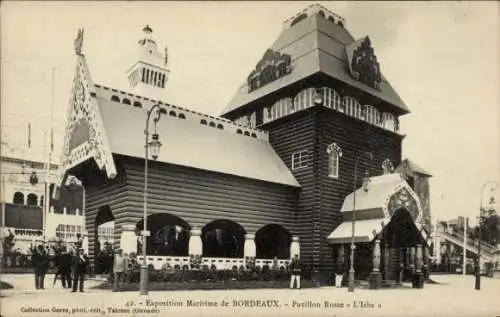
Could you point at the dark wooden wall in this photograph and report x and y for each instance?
(288, 135)
(321, 196)
(199, 197)
(354, 137)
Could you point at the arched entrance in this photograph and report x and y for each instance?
(399, 240)
(104, 236)
(223, 238)
(169, 235)
(273, 241)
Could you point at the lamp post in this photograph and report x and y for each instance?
(478, 268)
(351, 270)
(155, 145)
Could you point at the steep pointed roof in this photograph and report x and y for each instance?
(316, 43)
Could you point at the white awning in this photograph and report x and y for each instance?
(364, 231)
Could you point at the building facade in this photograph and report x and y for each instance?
(26, 181)
(309, 143)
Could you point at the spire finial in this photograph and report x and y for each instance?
(147, 29)
(79, 42)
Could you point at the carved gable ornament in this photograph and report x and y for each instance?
(272, 66)
(363, 63)
(85, 135)
(387, 166)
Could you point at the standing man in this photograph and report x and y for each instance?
(120, 265)
(295, 268)
(65, 268)
(40, 265)
(78, 267)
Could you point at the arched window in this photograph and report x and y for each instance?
(372, 114)
(239, 131)
(304, 99)
(334, 154)
(115, 98)
(172, 113)
(330, 18)
(339, 23)
(352, 107)
(126, 101)
(32, 200)
(247, 133)
(332, 98)
(18, 198)
(388, 121)
(182, 116)
(298, 19)
(254, 135)
(212, 124)
(137, 104)
(203, 121)
(220, 126)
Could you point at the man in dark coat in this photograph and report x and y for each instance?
(40, 261)
(78, 268)
(295, 268)
(64, 268)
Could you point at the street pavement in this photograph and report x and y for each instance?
(453, 296)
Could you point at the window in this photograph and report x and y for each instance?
(32, 200)
(388, 121)
(172, 113)
(115, 98)
(126, 101)
(304, 99)
(334, 154)
(41, 200)
(18, 198)
(332, 98)
(203, 121)
(212, 124)
(220, 126)
(182, 116)
(137, 104)
(299, 159)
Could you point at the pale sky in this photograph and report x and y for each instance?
(441, 57)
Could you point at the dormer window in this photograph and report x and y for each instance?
(334, 154)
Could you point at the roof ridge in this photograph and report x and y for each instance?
(224, 120)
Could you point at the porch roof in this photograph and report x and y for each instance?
(365, 231)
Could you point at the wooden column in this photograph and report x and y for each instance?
(419, 259)
(387, 258)
(375, 277)
(376, 256)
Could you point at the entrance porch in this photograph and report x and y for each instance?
(390, 244)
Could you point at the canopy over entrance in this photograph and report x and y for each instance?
(375, 208)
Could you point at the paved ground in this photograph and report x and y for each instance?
(454, 296)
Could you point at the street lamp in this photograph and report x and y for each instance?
(351, 270)
(478, 268)
(154, 145)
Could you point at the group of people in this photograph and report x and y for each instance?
(70, 266)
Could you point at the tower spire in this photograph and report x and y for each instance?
(149, 74)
